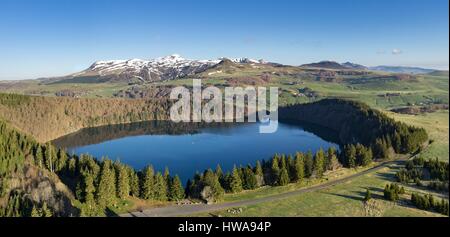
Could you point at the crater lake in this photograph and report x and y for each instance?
(187, 148)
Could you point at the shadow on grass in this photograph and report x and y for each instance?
(386, 176)
(374, 193)
(357, 198)
(110, 213)
(374, 189)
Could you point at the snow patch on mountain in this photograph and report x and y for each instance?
(163, 68)
(175, 62)
(246, 60)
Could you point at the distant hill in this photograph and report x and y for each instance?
(354, 66)
(401, 69)
(440, 73)
(326, 65)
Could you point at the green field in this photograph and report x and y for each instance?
(437, 126)
(88, 90)
(341, 200)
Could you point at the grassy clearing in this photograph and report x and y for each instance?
(132, 204)
(87, 90)
(437, 126)
(341, 200)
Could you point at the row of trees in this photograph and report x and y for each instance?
(436, 171)
(357, 122)
(278, 171)
(428, 202)
(18, 205)
(14, 148)
(393, 191)
(102, 184)
(357, 155)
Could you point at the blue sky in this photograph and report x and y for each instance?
(57, 37)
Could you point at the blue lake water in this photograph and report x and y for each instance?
(185, 148)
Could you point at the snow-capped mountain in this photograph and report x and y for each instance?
(159, 69)
(246, 60)
(164, 68)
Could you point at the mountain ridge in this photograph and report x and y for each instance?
(134, 70)
(402, 69)
(175, 66)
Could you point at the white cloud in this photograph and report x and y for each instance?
(396, 51)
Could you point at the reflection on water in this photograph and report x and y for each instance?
(189, 147)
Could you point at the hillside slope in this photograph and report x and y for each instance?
(47, 118)
(25, 186)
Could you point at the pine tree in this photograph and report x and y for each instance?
(283, 162)
(380, 149)
(49, 157)
(72, 166)
(360, 150)
(225, 182)
(195, 187)
(290, 167)
(319, 163)
(284, 177)
(35, 212)
(299, 167)
(167, 180)
(211, 180)
(367, 157)
(332, 160)
(241, 174)
(187, 189)
(275, 170)
(61, 161)
(258, 169)
(39, 157)
(134, 183)
(148, 183)
(160, 187)
(397, 142)
(350, 155)
(176, 189)
(166, 176)
(219, 172)
(368, 195)
(259, 174)
(309, 164)
(89, 190)
(236, 182)
(46, 212)
(250, 181)
(123, 182)
(106, 192)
